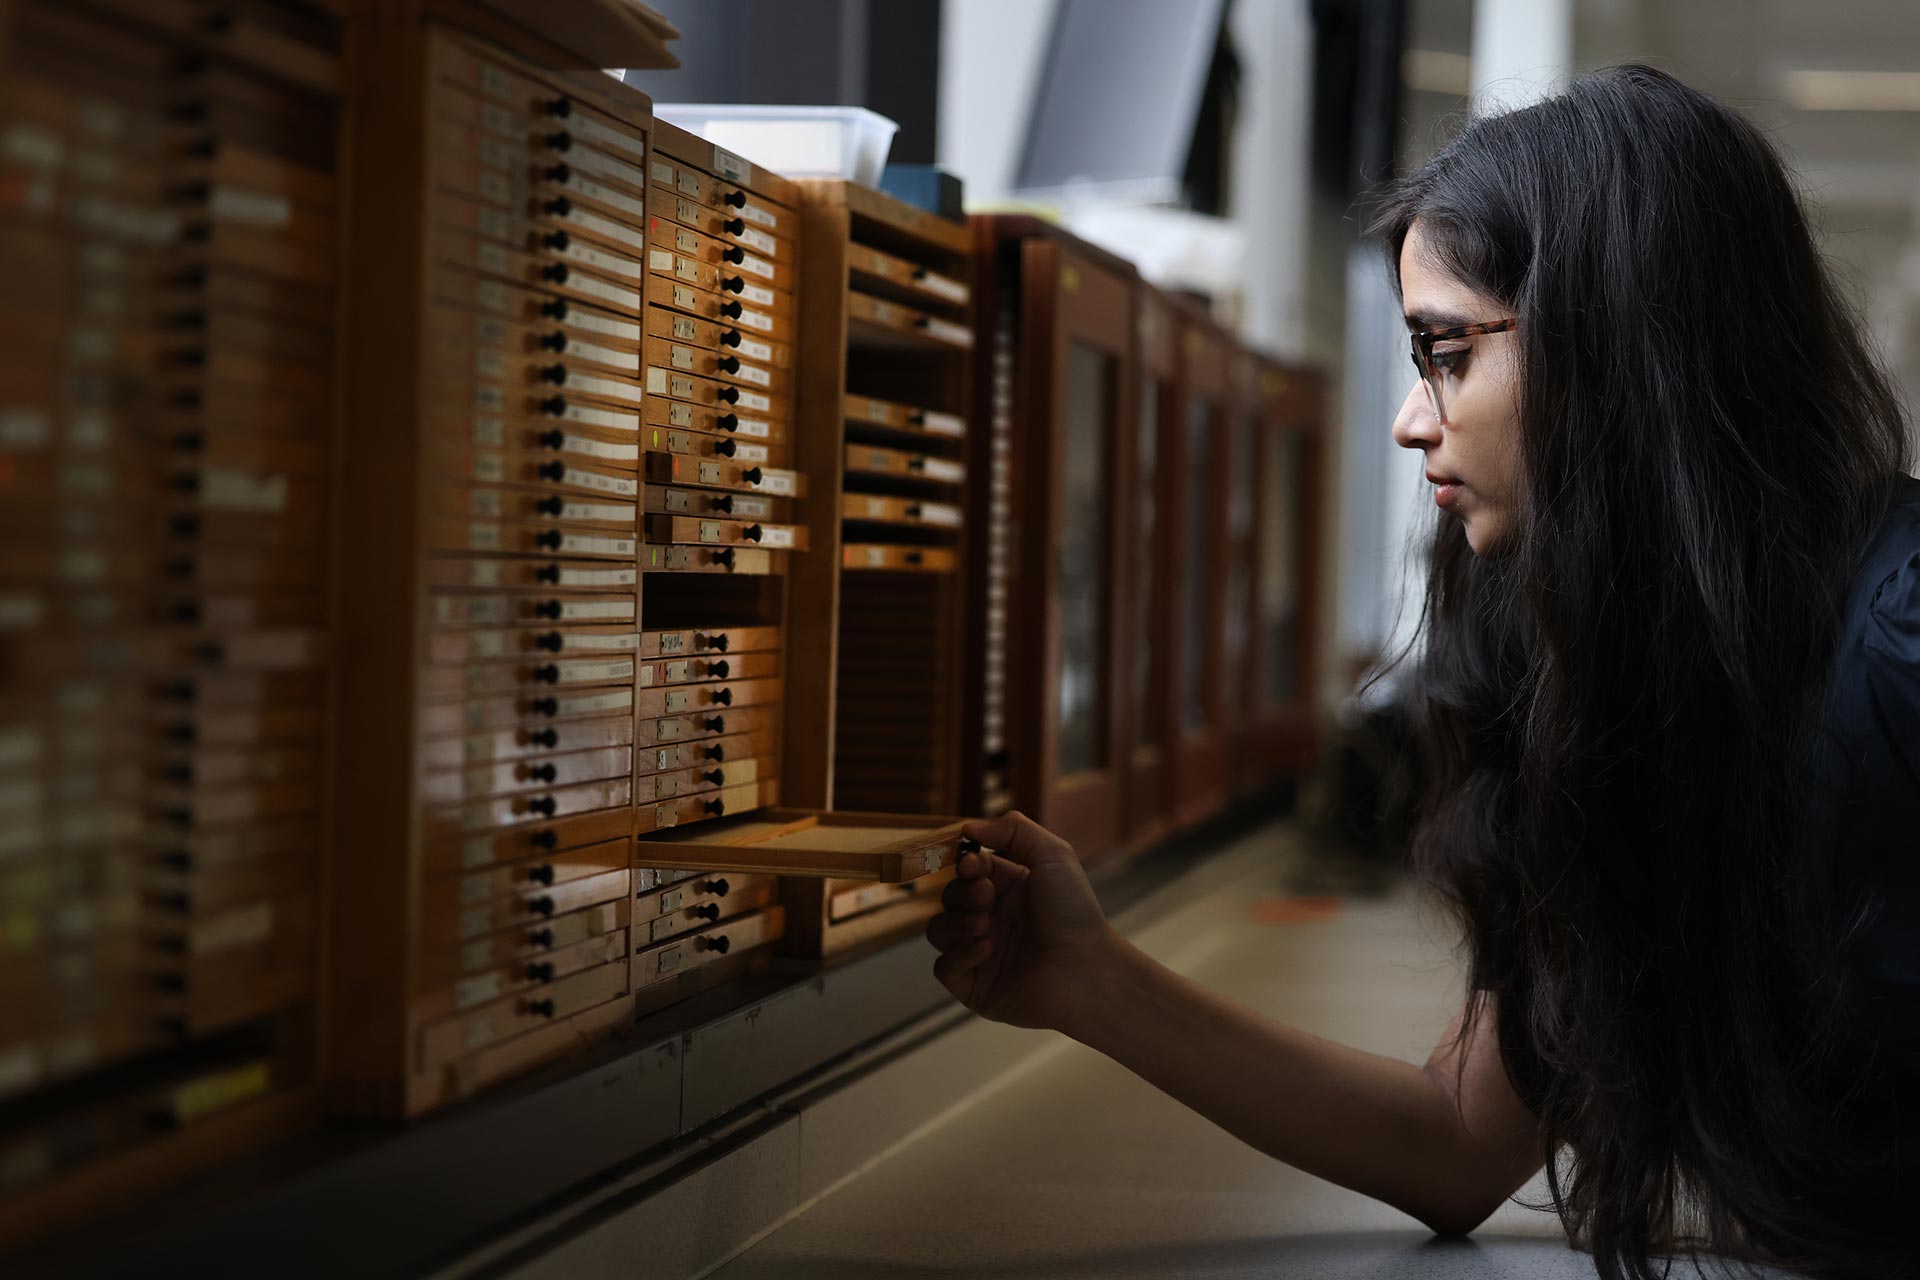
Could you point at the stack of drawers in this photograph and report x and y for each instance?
(168, 235)
(720, 360)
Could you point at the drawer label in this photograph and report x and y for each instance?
(946, 331)
(752, 350)
(672, 642)
(600, 449)
(593, 610)
(686, 328)
(607, 166)
(611, 419)
(754, 212)
(603, 511)
(942, 286)
(755, 401)
(777, 535)
(497, 118)
(606, 135)
(489, 364)
(780, 482)
(755, 374)
(588, 189)
(755, 320)
(608, 387)
(758, 295)
(681, 357)
(610, 644)
(679, 699)
(942, 469)
(601, 260)
(751, 453)
(473, 991)
(710, 531)
(756, 427)
(732, 167)
(944, 424)
(491, 257)
(620, 486)
(661, 171)
(671, 957)
(599, 354)
(686, 211)
(494, 82)
(747, 508)
(584, 545)
(757, 239)
(586, 703)
(489, 467)
(493, 186)
(483, 537)
(685, 241)
(678, 414)
(607, 326)
(491, 295)
(599, 577)
(476, 889)
(476, 955)
(582, 672)
(476, 919)
(483, 573)
(759, 266)
(489, 399)
(685, 298)
(607, 291)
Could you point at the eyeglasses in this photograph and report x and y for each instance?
(1435, 375)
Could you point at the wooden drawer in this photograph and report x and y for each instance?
(865, 459)
(530, 644)
(744, 452)
(517, 976)
(556, 154)
(483, 257)
(527, 97)
(722, 223)
(521, 710)
(470, 749)
(675, 176)
(694, 389)
(471, 405)
(698, 809)
(866, 411)
(678, 469)
(543, 576)
(914, 511)
(529, 385)
(660, 961)
(721, 309)
(691, 529)
(486, 849)
(661, 672)
(560, 802)
(612, 251)
(708, 752)
(443, 1042)
(516, 777)
(528, 540)
(722, 366)
(718, 420)
(704, 778)
(803, 842)
(743, 561)
(879, 322)
(513, 883)
(697, 698)
(534, 312)
(664, 500)
(695, 903)
(446, 918)
(453, 612)
(871, 269)
(672, 326)
(726, 279)
(471, 166)
(854, 555)
(445, 684)
(668, 644)
(500, 345)
(440, 966)
(530, 506)
(723, 254)
(705, 726)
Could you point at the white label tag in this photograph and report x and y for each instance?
(602, 355)
(586, 703)
(615, 139)
(943, 469)
(943, 424)
(946, 331)
(755, 239)
(599, 511)
(595, 610)
(755, 320)
(607, 387)
(752, 350)
(600, 449)
(755, 401)
(495, 83)
(605, 644)
(607, 291)
(778, 535)
(598, 577)
(253, 208)
(619, 486)
(732, 167)
(753, 212)
(24, 428)
(473, 991)
(750, 453)
(942, 286)
(611, 419)
(581, 544)
(780, 482)
(755, 374)
(757, 295)
(594, 322)
(588, 189)
(601, 260)
(756, 427)
(583, 672)
(759, 266)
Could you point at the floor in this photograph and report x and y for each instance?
(1068, 1166)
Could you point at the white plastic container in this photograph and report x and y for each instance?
(795, 142)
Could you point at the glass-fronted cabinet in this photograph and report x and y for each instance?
(1152, 569)
(1202, 456)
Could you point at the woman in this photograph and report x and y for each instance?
(1670, 686)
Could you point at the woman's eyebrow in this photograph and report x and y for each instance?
(1422, 322)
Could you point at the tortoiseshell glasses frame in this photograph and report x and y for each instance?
(1423, 340)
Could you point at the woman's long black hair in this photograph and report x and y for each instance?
(1622, 710)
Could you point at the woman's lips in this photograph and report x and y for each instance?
(1446, 490)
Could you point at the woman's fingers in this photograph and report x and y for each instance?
(1017, 838)
(952, 929)
(967, 895)
(955, 965)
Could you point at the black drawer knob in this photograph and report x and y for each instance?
(723, 696)
(555, 308)
(736, 199)
(917, 418)
(542, 905)
(733, 284)
(723, 504)
(728, 422)
(730, 338)
(555, 273)
(554, 406)
(558, 207)
(548, 674)
(550, 507)
(547, 540)
(715, 807)
(720, 642)
(719, 888)
(752, 533)
(554, 373)
(722, 944)
(731, 310)
(556, 240)
(913, 510)
(547, 572)
(542, 805)
(184, 526)
(544, 738)
(715, 724)
(544, 707)
(543, 773)
(921, 273)
(916, 464)
(725, 448)
(965, 846)
(715, 752)
(541, 1008)
(540, 971)
(719, 670)
(553, 439)
(752, 475)
(922, 322)
(540, 938)
(552, 471)
(707, 912)
(723, 557)
(555, 341)
(549, 640)
(542, 874)
(561, 141)
(734, 226)
(556, 173)
(914, 557)
(728, 395)
(560, 108)
(729, 364)
(734, 255)
(543, 839)
(717, 777)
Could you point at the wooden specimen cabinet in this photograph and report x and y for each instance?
(1058, 315)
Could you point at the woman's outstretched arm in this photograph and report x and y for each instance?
(1022, 940)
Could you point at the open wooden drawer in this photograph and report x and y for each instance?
(890, 848)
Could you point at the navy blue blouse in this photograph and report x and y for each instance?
(1867, 809)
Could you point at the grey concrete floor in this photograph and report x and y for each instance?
(1072, 1167)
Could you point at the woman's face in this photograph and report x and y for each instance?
(1473, 458)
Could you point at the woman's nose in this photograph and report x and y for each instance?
(1416, 426)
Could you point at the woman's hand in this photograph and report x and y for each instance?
(1022, 928)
